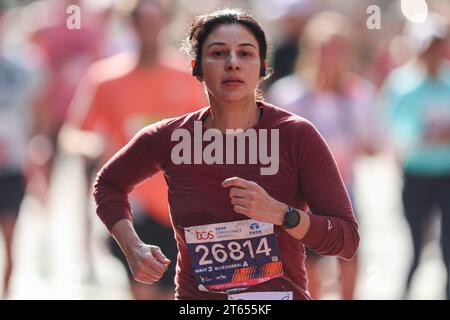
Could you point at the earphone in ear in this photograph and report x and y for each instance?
(197, 70)
(262, 70)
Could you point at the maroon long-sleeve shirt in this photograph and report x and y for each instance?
(307, 178)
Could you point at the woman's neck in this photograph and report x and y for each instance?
(235, 115)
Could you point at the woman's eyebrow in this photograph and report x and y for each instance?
(216, 44)
(224, 44)
(247, 45)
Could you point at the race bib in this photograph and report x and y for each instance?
(233, 256)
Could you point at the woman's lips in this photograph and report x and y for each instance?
(233, 82)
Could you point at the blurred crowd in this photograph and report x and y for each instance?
(84, 92)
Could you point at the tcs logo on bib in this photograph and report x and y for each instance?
(204, 235)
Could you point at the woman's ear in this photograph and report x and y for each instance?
(196, 69)
(263, 69)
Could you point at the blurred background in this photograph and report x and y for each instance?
(79, 78)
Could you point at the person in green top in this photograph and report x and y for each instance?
(415, 99)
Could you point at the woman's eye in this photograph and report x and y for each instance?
(218, 53)
(245, 53)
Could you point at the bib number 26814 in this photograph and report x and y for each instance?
(232, 256)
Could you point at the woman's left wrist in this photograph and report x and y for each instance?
(279, 212)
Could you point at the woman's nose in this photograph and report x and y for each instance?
(232, 63)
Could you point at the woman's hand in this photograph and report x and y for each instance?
(252, 200)
(147, 263)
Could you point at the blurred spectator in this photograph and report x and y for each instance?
(120, 96)
(17, 92)
(415, 99)
(67, 53)
(291, 23)
(339, 103)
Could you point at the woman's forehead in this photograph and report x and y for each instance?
(231, 34)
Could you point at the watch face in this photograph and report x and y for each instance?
(292, 218)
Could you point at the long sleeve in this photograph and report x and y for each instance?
(333, 228)
(134, 163)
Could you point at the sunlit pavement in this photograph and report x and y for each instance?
(51, 255)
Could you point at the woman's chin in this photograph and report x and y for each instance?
(235, 97)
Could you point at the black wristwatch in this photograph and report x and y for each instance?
(291, 218)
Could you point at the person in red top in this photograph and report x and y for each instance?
(249, 184)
